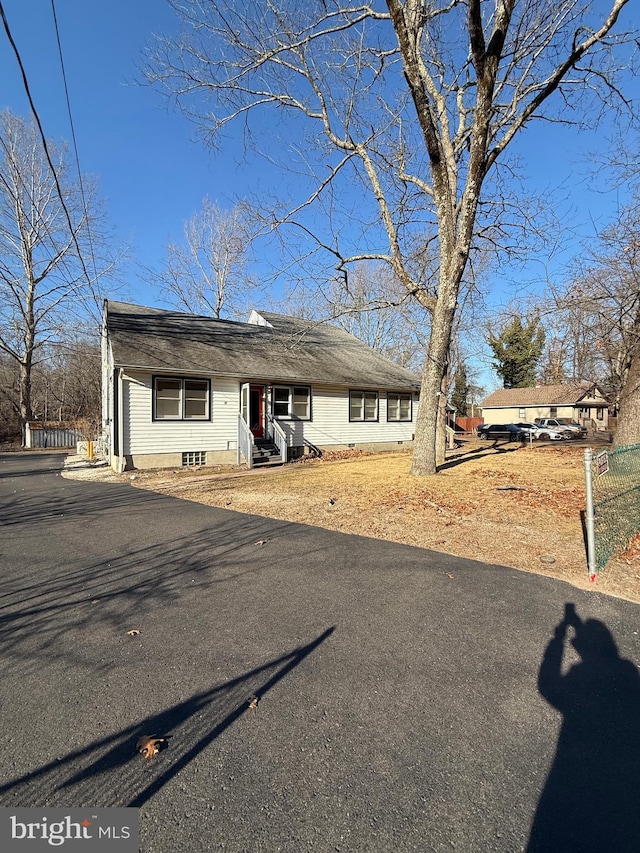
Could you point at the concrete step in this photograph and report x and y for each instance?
(266, 453)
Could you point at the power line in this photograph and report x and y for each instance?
(36, 117)
(73, 136)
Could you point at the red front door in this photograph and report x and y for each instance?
(256, 410)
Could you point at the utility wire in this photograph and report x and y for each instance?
(27, 90)
(73, 138)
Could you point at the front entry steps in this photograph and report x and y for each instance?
(265, 453)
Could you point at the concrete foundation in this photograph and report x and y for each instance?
(147, 461)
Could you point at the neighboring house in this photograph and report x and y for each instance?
(585, 404)
(180, 389)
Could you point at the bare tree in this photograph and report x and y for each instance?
(605, 292)
(47, 282)
(370, 304)
(9, 409)
(207, 273)
(572, 353)
(416, 101)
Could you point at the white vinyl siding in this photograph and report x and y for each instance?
(330, 424)
(143, 435)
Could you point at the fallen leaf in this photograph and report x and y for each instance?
(253, 702)
(133, 632)
(449, 575)
(149, 745)
(262, 541)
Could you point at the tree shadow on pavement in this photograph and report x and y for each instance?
(109, 772)
(48, 614)
(69, 501)
(590, 800)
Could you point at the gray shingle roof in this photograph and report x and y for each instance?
(544, 395)
(287, 350)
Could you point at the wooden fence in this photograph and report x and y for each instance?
(467, 424)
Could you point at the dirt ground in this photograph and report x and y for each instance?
(508, 505)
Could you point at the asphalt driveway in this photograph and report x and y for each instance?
(408, 700)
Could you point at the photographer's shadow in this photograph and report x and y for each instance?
(591, 800)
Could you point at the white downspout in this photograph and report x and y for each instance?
(120, 424)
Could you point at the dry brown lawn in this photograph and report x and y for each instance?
(509, 505)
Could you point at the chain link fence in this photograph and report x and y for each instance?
(613, 501)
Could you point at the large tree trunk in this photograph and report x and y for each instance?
(26, 363)
(428, 446)
(628, 430)
(26, 413)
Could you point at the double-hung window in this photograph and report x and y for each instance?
(363, 405)
(292, 401)
(398, 407)
(181, 399)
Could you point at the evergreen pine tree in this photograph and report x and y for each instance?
(517, 350)
(460, 394)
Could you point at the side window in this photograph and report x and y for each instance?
(292, 401)
(398, 407)
(281, 402)
(168, 403)
(301, 405)
(180, 399)
(363, 405)
(196, 399)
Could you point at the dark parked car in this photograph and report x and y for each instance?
(494, 431)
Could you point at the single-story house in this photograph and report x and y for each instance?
(180, 389)
(582, 403)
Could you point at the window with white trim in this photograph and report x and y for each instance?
(180, 399)
(522, 414)
(398, 407)
(363, 405)
(553, 411)
(292, 401)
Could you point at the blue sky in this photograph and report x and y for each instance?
(152, 171)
